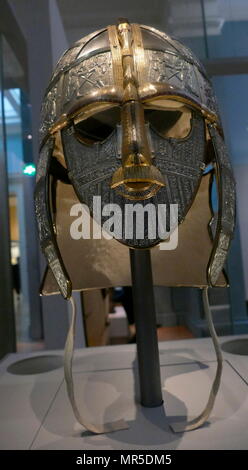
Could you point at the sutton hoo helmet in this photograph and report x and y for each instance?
(130, 116)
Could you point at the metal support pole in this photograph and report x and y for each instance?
(146, 333)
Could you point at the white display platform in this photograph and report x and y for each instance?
(35, 412)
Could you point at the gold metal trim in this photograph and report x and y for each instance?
(156, 91)
(116, 55)
(62, 122)
(88, 104)
(109, 94)
(138, 198)
(96, 100)
(140, 62)
(137, 169)
(88, 111)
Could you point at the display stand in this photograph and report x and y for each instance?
(146, 332)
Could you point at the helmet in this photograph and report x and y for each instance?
(130, 117)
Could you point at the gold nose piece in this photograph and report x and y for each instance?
(137, 177)
(137, 172)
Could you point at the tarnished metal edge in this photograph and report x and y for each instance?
(49, 244)
(220, 229)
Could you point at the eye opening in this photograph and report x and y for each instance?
(97, 127)
(169, 118)
(169, 124)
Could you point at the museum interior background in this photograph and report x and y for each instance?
(33, 35)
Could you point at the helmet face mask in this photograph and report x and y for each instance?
(129, 114)
(92, 165)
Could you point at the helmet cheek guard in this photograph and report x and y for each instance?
(45, 223)
(226, 211)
